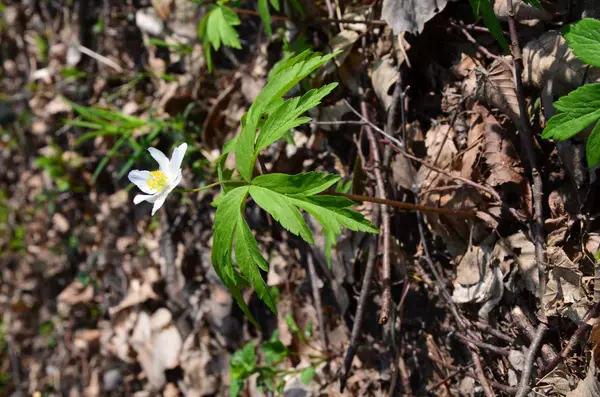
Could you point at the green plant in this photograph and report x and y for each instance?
(580, 108)
(269, 118)
(57, 168)
(218, 26)
(244, 362)
(124, 127)
(484, 9)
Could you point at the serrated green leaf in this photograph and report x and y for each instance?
(274, 350)
(584, 40)
(243, 362)
(307, 183)
(331, 211)
(288, 75)
(284, 212)
(265, 16)
(219, 27)
(330, 240)
(235, 387)
(592, 148)
(291, 323)
(287, 116)
(249, 259)
(580, 109)
(307, 375)
(226, 220)
(484, 9)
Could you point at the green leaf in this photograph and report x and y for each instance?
(287, 76)
(291, 323)
(220, 28)
(331, 211)
(307, 184)
(235, 387)
(584, 40)
(484, 9)
(308, 330)
(580, 109)
(286, 116)
(275, 4)
(307, 375)
(296, 4)
(243, 362)
(249, 259)
(265, 16)
(592, 148)
(284, 212)
(226, 220)
(274, 350)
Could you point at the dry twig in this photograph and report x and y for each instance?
(529, 359)
(527, 143)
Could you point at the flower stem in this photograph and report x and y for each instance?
(199, 189)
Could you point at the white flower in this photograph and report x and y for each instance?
(158, 184)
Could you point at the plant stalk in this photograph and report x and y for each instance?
(355, 197)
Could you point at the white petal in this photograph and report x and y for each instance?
(158, 203)
(143, 197)
(161, 159)
(178, 153)
(176, 181)
(140, 178)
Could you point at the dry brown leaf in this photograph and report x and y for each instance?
(549, 58)
(499, 154)
(158, 344)
(563, 289)
(74, 294)
(519, 249)
(589, 386)
(524, 13)
(474, 143)
(440, 152)
(410, 15)
(470, 267)
(138, 292)
(383, 77)
(496, 86)
(202, 370)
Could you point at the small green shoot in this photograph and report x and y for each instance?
(580, 108)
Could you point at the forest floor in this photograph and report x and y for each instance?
(99, 298)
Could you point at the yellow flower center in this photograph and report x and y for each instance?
(157, 180)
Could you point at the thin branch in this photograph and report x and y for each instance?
(487, 389)
(385, 218)
(485, 327)
(406, 206)
(527, 143)
(584, 326)
(399, 147)
(472, 40)
(529, 359)
(360, 309)
(314, 283)
(495, 349)
(548, 352)
(437, 276)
